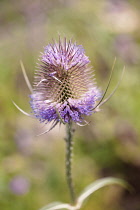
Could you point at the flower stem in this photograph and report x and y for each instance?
(69, 152)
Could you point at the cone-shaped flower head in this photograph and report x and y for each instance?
(63, 86)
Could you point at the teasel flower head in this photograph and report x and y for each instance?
(64, 87)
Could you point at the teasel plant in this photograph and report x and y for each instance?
(65, 92)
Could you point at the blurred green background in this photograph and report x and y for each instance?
(32, 172)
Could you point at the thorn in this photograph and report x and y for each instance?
(118, 84)
(41, 82)
(57, 79)
(26, 77)
(21, 110)
(107, 85)
(55, 123)
(86, 123)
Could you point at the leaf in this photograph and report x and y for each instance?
(57, 205)
(97, 185)
(86, 193)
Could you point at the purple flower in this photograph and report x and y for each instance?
(64, 90)
(19, 185)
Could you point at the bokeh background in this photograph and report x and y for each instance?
(32, 172)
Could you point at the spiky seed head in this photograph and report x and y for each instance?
(63, 84)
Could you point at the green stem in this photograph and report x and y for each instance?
(69, 152)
